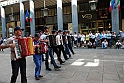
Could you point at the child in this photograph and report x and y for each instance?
(118, 44)
(89, 44)
(37, 57)
(104, 44)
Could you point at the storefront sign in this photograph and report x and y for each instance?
(10, 2)
(87, 16)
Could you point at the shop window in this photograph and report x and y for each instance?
(94, 25)
(64, 10)
(84, 7)
(53, 12)
(38, 14)
(87, 6)
(68, 9)
(50, 12)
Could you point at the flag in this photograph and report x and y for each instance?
(26, 16)
(30, 16)
(112, 3)
(118, 4)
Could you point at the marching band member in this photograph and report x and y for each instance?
(59, 42)
(41, 32)
(55, 48)
(37, 57)
(19, 63)
(45, 38)
(66, 45)
(70, 42)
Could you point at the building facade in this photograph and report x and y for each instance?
(62, 16)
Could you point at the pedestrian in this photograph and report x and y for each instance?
(16, 63)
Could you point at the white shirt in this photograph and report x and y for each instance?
(118, 43)
(58, 42)
(93, 36)
(90, 34)
(75, 36)
(43, 36)
(82, 37)
(105, 43)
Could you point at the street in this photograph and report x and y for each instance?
(87, 66)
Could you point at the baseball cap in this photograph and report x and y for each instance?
(18, 28)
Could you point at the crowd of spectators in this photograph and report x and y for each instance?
(104, 39)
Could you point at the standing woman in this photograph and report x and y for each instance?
(37, 57)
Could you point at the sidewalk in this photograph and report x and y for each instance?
(87, 66)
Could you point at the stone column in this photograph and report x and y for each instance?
(74, 16)
(22, 18)
(32, 22)
(3, 21)
(115, 19)
(59, 15)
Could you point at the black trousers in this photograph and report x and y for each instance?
(70, 47)
(61, 48)
(21, 63)
(56, 50)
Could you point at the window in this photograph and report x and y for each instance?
(55, 11)
(38, 14)
(50, 12)
(68, 9)
(64, 10)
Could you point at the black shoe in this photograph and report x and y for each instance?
(62, 62)
(48, 69)
(74, 53)
(40, 76)
(37, 78)
(66, 58)
(57, 67)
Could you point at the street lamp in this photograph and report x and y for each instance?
(45, 10)
(93, 4)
